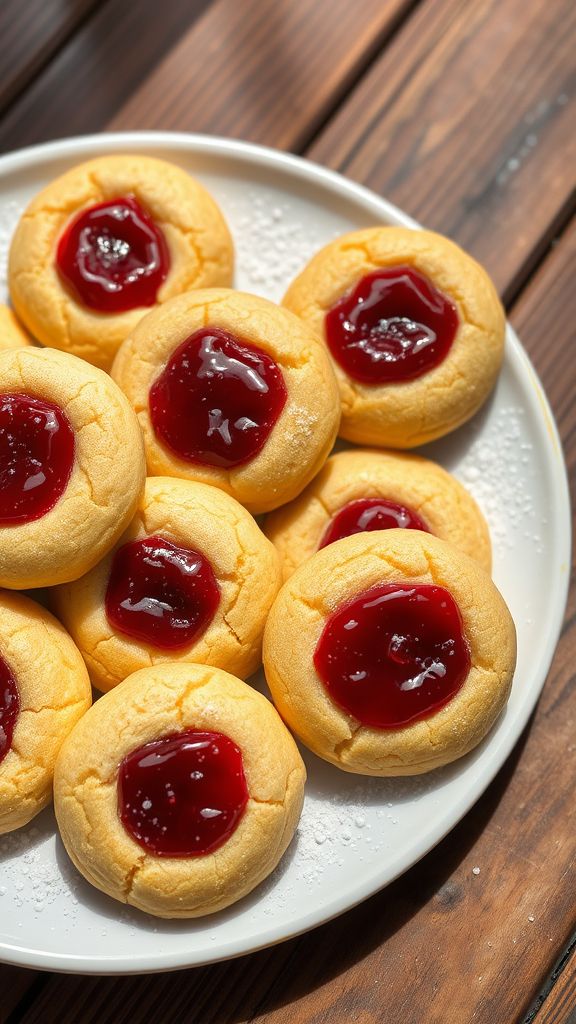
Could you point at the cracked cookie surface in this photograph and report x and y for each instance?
(411, 412)
(245, 565)
(306, 428)
(106, 479)
(199, 244)
(54, 692)
(324, 584)
(424, 487)
(156, 702)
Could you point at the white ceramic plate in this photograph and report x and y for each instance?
(356, 835)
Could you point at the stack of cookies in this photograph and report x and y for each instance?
(148, 412)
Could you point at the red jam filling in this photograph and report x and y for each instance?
(393, 326)
(217, 399)
(113, 257)
(9, 708)
(182, 795)
(368, 514)
(36, 457)
(161, 593)
(394, 654)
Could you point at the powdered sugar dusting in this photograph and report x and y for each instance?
(305, 422)
(32, 876)
(344, 816)
(272, 245)
(494, 469)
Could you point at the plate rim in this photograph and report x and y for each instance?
(311, 173)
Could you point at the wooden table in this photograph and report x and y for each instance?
(460, 112)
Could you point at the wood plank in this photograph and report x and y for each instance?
(465, 122)
(268, 72)
(560, 1005)
(201, 996)
(30, 34)
(544, 317)
(452, 84)
(76, 94)
(16, 984)
(443, 943)
(258, 988)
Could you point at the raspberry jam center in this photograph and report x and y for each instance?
(393, 326)
(182, 795)
(9, 708)
(394, 654)
(217, 399)
(113, 257)
(161, 593)
(368, 514)
(36, 457)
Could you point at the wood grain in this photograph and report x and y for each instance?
(15, 985)
(103, 63)
(459, 112)
(545, 316)
(442, 945)
(267, 72)
(560, 1006)
(465, 122)
(30, 34)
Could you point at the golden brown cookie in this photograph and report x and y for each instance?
(71, 466)
(231, 390)
(390, 653)
(415, 329)
(167, 235)
(155, 828)
(192, 579)
(365, 490)
(12, 334)
(44, 691)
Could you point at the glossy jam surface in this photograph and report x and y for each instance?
(393, 326)
(36, 457)
(368, 514)
(113, 257)
(9, 708)
(161, 593)
(182, 795)
(217, 399)
(394, 654)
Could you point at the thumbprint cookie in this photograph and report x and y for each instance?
(365, 490)
(44, 691)
(179, 792)
(106, 241)
(414, 327)
(390, 653)
(72, 466)
(234, 391)
(192, 579)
